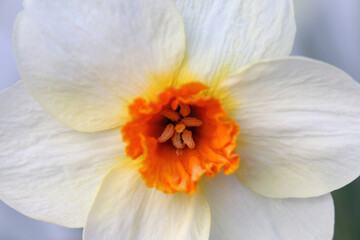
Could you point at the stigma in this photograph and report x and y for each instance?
(179, 128)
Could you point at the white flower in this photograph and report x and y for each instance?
(110, 75)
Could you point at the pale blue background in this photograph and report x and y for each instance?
(328, 30)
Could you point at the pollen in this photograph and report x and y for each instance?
(180, 137)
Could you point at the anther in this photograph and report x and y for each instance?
(170, 114)
(188, 139)
(177, 142)
(179, 128)
(167, 133)
(184, 109)
(191, 122)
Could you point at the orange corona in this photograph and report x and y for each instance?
(181, 136)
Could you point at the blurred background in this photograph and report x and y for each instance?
(328, 30)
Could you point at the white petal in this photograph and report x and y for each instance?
(49, 171)
(239, 213)
(300, 127)
(224, 35)
(126, 209)
(84, 61)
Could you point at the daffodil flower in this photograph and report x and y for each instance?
(167, 119)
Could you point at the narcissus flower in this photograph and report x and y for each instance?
(158, 119)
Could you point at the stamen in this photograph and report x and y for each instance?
(170, 114)
(179, 128)
(177, 142)
(184, 109)
(188, 139)
(167, 133)
(191, 122)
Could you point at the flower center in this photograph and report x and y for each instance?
(179, 128)
(179, 137)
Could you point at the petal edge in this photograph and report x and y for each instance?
(300, 122)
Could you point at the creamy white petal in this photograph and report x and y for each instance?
(300, 127)
(239, 213)
(224, 35)
(49, 171)
(126, 209)
(84, 61)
